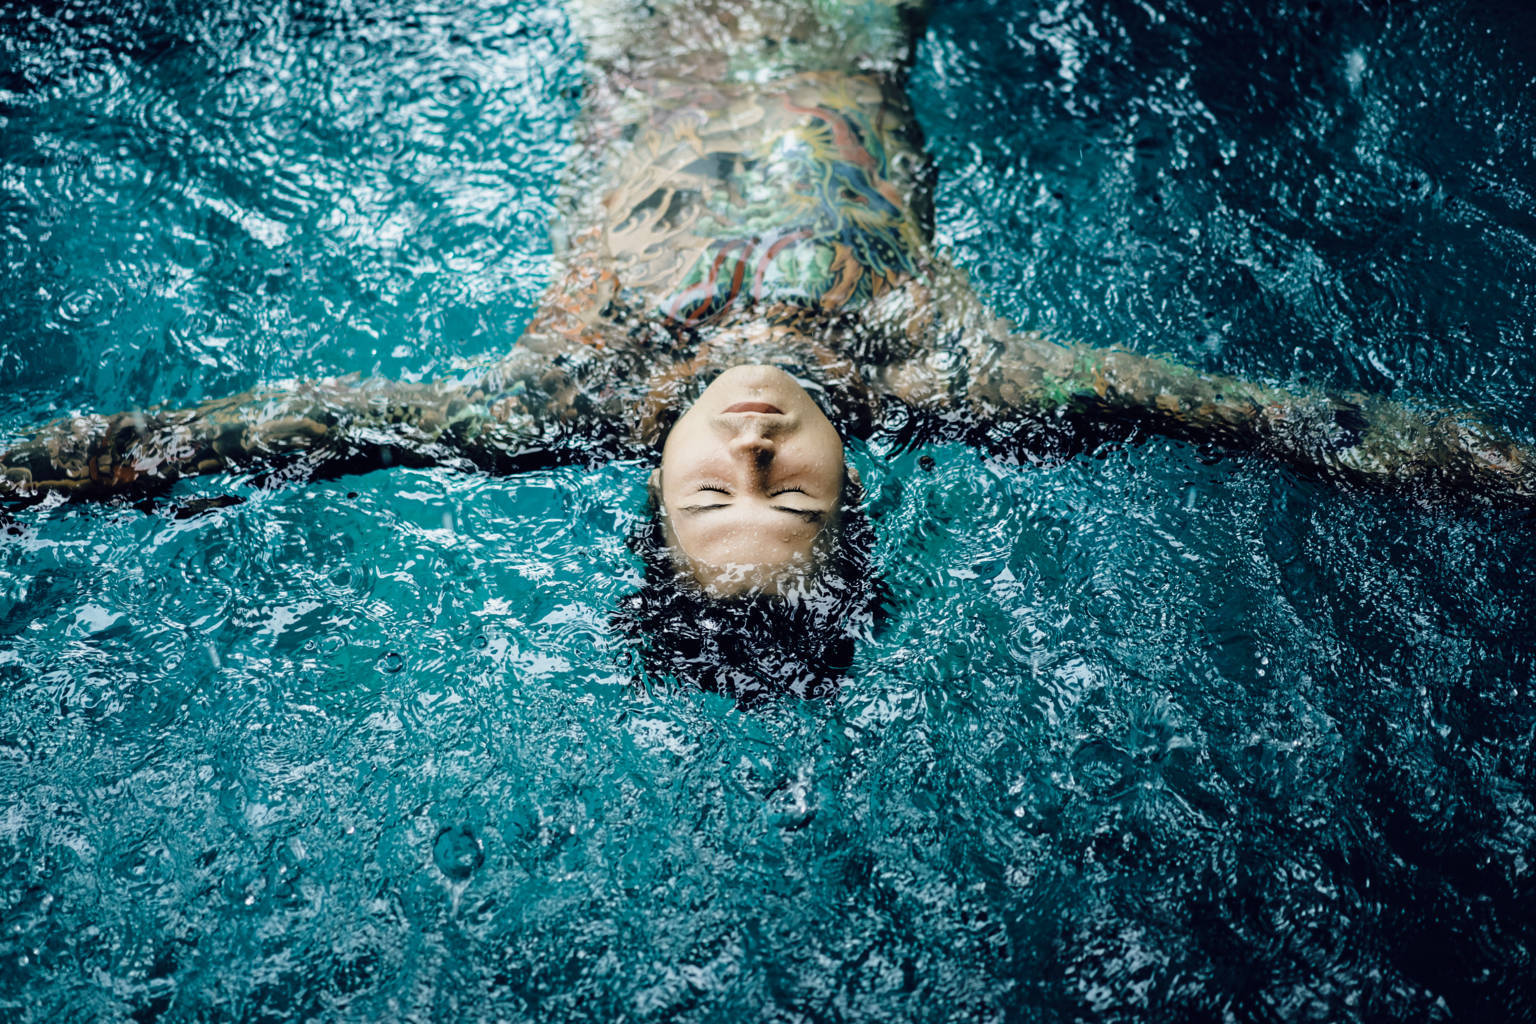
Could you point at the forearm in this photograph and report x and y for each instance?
(328, 424)
(1356, 438)
(509, 416)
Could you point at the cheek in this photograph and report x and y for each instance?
(829, 455)
(684, 450)
(688, 467)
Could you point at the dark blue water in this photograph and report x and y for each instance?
(1148, 735)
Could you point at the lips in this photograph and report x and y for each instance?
(762, 407)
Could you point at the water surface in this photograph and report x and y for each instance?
(1154, 734)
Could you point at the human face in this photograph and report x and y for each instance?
(750, 477)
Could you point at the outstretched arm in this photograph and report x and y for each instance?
(525, 411)
(1105, 392)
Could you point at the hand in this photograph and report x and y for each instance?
(1374, 440)
(92, 456)
(62, 456)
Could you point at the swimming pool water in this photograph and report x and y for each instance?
(1154, 734)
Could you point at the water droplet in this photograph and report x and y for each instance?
(455, 90)
(241, 93)
(391, 663)
(942, 361)
(457, 852)
(192, 326)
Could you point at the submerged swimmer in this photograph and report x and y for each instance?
(745, 280)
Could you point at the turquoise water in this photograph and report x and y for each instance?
(1154, 734)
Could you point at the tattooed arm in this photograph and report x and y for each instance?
(1069, 395)
(541, 405)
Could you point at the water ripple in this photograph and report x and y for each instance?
(90, 304)
(1143, 736)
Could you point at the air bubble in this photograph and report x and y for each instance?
(457, 852)
(391, 663)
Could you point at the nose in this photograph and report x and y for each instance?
(751, 444)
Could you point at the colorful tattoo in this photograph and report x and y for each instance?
(800, 193)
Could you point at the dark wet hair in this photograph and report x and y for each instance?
(755, 647)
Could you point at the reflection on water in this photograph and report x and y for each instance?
(1152, 734)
